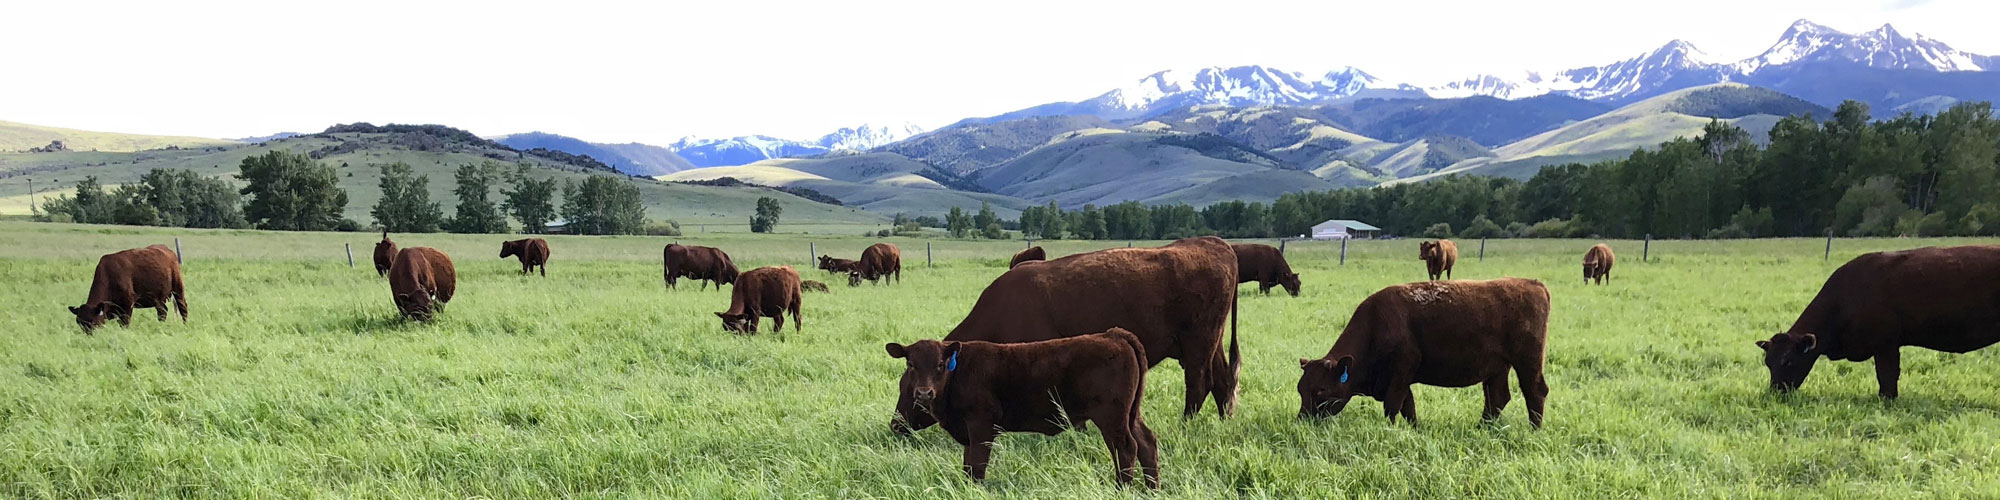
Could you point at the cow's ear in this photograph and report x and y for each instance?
(1303, 362)
(896, 350)
(1764, 344)
(75, 310)
(951, 349)
(722, 315)
(105, 308)
(1344, 363)
(1807, 342)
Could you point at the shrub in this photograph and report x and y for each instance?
(1438, 230)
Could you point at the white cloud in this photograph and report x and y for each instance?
(653, 71)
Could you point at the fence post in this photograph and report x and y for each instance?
(812, 249)
(928, 263)
(1829, 246)
(1128, 244)
(177, 251)
(1482, 249)
(1646, 253)
(350, 254)
(1281, 246)
(1343, 251)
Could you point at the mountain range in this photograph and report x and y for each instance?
(744, 150)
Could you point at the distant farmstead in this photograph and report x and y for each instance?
(1343, 229)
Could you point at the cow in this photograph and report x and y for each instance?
(976, 390)
(699, 263)
(533, 252)
(1176, 298)
(385, 253)
(878, 261)
(813, 286)
(1439, 333)
(130, 280)
(422, 280)
(1265, 265)
(763, 292)
(1597, 263)
(837, 266)
(1937, 298)
(1032, 254)
(1438, 257)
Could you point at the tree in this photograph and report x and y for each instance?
(959, 224)
(185, 199)
(291, 192)
(476, 214)
(603, 204)
(985, 217)
(1052, 224)
(1092, 224)
(994, 232)
(531, 201)
(1438, 230)
(406, 205)
(768, 211)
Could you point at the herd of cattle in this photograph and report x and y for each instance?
(1056, 344)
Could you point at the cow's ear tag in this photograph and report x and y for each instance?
(1343, 376)
(951, 365)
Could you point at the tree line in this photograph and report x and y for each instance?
(293, 192)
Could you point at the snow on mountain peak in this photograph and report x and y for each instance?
(867, 137)
(1239, 86)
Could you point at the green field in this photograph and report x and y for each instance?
(296, 379)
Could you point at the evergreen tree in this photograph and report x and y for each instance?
(406, 205)
(476, 213)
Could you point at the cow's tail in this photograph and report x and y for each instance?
(1139, 366)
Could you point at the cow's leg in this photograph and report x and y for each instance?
(1496, 397)
(1888, 368)
(1410, 407)
(1222, 384)
(1533, 388)
(545, 269)
(1119, 437)
(162, 310)
(978, 446)
(1196, 373)
(796, 301)
(125, 312)
(1149, 452)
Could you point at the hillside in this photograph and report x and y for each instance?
(1423, 156)
(1484, 120)
(19, 137)
(431, 152)
(631, 158)
(882, 183)
(963, 148)
(1290, 134)
(1108, 168)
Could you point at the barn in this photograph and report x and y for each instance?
(1339, 229)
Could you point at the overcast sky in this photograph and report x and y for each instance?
(655, 71)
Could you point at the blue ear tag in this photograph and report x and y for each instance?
(1343, 376)
(951, 365)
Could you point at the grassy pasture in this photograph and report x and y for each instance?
(295, 379)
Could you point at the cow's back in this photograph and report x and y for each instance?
(1461, 326)
(148, 274)
(1942, 298)
(880, 259)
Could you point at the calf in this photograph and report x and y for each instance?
(837, 266)
(880, 260)
(1597, 263)
(763, 292)
(1441, 333)
(976, 390)
(422, 280)
(1438, 257)
(1266, 266)
(1938, 298)
(130, 280)
(1032, 254)
(385, 253)
(533, 252)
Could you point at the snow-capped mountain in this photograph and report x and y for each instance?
(868, 137)
(1235, 86)
(1677, 64)
(703, 152)
(1806, 42)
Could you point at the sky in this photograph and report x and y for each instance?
(653, 72)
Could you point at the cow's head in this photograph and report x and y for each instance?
(927, 369)
(1790, 358)
(726, 275)
(91, 316)
(416, 306)
(736, 323)
(1426, 249)
(510, 248)
(1588, 266)
(1325, 386)
(854, 278)
(1291, 283)
(826, 262)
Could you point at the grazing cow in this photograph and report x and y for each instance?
(813, 286)
(978, 389)
(130, 280)
(1597, 263)
(533, 252)
(1176, 298)
(1440, 333)
(422, 280)
(763, 292)
(385, 253)
(1032, 254)
(838, 266)
(1266, 266)
(1438, 256)
(1937, 298)
(698, 263)
(880, 260)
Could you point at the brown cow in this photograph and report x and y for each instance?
(1176, 298)
(838, 266)
(533, 252)
(1440, 333)
(385, 253)
(813, 286)
(1597, 263)
(130, 280)
(1937, 298)
(1032, 254)
(763, 292)
(979, 389)
(423, 280)
(1438, 256)
(698, 263)
(1265, 265)
(880, 260)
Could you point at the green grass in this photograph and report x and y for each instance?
(22, 136)
(295, 379)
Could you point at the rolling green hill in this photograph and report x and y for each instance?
(355, 156)
(883, 183)
(22, 137)
(1109, 168)
(966, 147)
(1292, 135)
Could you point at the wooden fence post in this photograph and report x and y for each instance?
(812, 249)
(350, 254)
(1482, 249)
(1343, 251)
(177, 251)
(1829, 246)
(1646, 253)
(928, 263)
(1281, 246)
